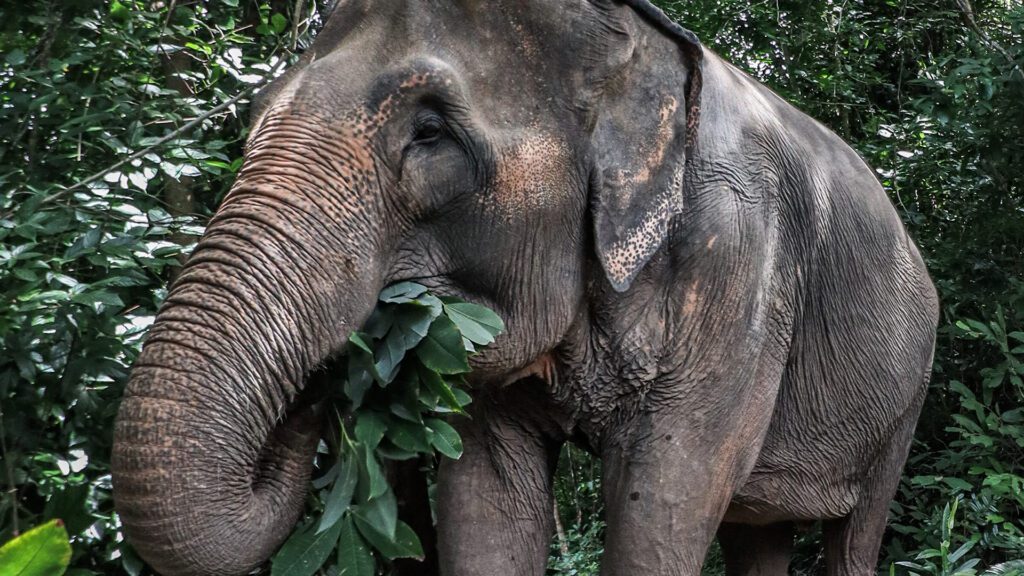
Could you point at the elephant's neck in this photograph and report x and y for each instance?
(613, 356)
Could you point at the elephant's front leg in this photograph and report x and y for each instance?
(667, 484)
(494, 504)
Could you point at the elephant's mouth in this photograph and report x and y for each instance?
(303, 422)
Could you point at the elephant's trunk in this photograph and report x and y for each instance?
(214, 442)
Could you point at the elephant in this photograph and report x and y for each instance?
(703, 286)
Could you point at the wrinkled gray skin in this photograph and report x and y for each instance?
(733, 319)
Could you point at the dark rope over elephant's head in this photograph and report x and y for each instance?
(507, 152)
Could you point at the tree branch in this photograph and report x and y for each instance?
(968, 15)
(165, 139)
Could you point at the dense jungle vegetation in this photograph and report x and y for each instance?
(121, 128)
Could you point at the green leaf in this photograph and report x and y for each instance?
(462, 396)
(130, 560)
(476, 323)
(445, 438)
(98, 297)
(70, 504)
(42, 551)
(408, 436)
(360, 377)
(370, 427)
(430, 301)
(305, 551)
(411, 324)
(340, 497)
(964, 549)
(377, 485)
(404, 543)
(354, 556)
(119, 11)
(436, 384)
(379, 322)
(381, 513)
(392, 453)
(957, 484)
(442, 350)
(279, 22)
(16, 57)
(359, 341)
(84, 244)
(388, 357)
(402, 292)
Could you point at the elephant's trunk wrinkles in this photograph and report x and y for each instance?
(214, 442)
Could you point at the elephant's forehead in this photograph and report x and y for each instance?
(504, 52)
(338, 95)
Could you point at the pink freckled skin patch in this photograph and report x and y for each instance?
(532, 174)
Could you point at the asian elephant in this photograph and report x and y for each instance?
(702, 285)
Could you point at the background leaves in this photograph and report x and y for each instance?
(87, 83)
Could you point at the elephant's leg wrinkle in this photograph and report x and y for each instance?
(756, 550)
(494, 504)
(665, 500)
(852, 543)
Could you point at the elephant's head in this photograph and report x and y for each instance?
(505, 152)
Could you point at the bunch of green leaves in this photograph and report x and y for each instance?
(579, 551)
(981, 462)
(943, 561)
(404, 374)
(579, 538)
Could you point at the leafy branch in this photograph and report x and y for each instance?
(404, 373)
(271, 74)
(967, 11)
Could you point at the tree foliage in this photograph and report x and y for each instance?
(83, 267)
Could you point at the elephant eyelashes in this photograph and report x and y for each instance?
(428, 129)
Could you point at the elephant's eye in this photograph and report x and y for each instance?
(428, 129)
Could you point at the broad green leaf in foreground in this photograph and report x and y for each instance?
(381, 513)
(305, 551)
(402, 292)
(444, 438)
(42, 551)
(442, 349)
(341, 493)
(405, 543)
(354, 557)
(475, 322)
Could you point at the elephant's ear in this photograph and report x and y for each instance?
(645, 122)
